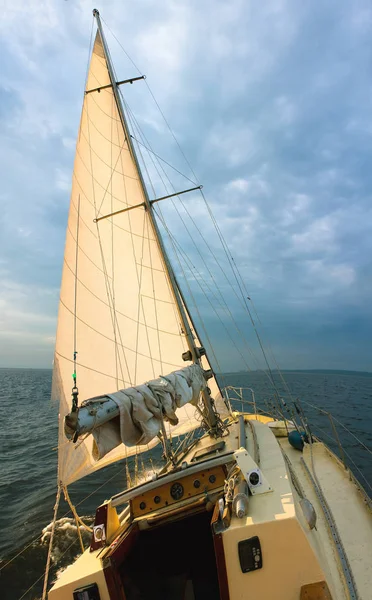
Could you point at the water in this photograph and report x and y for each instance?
(29, 461)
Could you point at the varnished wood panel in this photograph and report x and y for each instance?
(209, 479)
(315, 591)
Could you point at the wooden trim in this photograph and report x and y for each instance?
(113, 582)
(315, 591)
(100, 519)
(166, 514)
(120, 548)
(220, 555)
(221, 567)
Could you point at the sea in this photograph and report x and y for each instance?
(28, 459)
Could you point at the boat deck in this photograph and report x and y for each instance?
(298, 562)
(349, 517)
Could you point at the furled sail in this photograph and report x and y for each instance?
(135, 416)
(117, 312)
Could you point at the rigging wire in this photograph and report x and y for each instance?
(223, 242)
(236, 271)
(224, 245)
(175, 244)
(347, 454)
(340, 423)
(233, 266)
(163, 160)
(211, 251)
(225, 307)
(134, 124)
(131, 115)
(154, 99)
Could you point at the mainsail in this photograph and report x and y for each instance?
(118, 321)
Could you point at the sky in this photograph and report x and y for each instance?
(271, 103)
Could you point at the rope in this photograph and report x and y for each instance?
(51, 543)
(78, 520)
(232, 479)
(65, 515)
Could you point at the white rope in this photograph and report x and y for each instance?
(79, 522)
(51, 543)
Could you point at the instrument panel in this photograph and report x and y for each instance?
(186, 486)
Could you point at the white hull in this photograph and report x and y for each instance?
(296, 559)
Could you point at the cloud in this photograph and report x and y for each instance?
(271, 104)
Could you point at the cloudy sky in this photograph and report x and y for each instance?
(272, 104)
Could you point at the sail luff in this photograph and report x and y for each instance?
(185, 318)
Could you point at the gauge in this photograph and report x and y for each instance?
(176, 491)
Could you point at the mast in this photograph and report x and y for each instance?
(195, 353)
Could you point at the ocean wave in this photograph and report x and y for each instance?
(65, 536)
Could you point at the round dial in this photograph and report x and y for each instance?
(176, 491)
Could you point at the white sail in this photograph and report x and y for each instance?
(116, 310)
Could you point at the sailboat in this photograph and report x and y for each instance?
(239, 504)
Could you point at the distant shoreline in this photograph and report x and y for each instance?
(256, 372)
(277, 372)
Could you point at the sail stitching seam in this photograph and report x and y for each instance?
(139, 280)
(119, 312)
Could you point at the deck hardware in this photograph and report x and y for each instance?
(240, 499)
(99, 533)
(253, 475)
(242, 434)
(334, 532)
(308, 512)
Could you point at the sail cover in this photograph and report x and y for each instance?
(117, 309)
